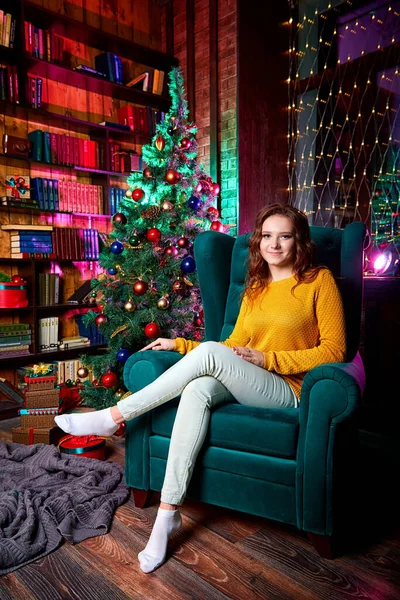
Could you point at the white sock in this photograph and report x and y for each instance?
(153, 556)
(99, 422)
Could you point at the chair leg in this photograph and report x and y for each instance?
(141, 497)
(322, 544)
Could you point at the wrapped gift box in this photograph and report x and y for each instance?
(38, 417)
(40, 383)
(42, 398)
(88, 446)
(31, 435)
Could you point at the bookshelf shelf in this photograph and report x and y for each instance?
(6, 155)
(24, 309)
(51, 119)
(66, 306)
(28, 210)
(53, 354)
(91, 83)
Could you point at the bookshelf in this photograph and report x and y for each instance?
(74, 103)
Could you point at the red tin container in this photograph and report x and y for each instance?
(88, 446)
(13, 295)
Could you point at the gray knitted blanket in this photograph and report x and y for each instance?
(46, 498)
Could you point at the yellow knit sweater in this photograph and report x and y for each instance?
(295, 332)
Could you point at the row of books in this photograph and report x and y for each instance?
(140, 119)
(67, 196)
(68, 369)
(43, 43)
(49, 289)
(76, 244)
(151, 80)
(32, 241)
(115, 195)
(9, 87)
(48, 337)
(34, 91)
(62, 149)
(7, 29)
(15, 339)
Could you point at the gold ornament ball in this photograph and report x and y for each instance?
(82, 372)
(163, 303)
(128, 193)
(167, 205)
(118, 394)
(118, 267)
(129, 306)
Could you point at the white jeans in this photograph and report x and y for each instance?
(205, 377)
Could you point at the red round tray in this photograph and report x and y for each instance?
(88, 446)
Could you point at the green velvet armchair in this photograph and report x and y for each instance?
(289, 465)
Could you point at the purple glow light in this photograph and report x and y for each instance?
(382, 262)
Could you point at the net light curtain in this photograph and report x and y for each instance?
(343, 120)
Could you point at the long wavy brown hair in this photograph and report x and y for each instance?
(304, 268)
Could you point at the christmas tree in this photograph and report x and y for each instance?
(148, 287)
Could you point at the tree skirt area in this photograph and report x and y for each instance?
(47, 497)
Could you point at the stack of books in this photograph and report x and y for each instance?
(30, 242)
(15, 339)
(76, 341)
(16, 229)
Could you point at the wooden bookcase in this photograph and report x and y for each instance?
(74, 103)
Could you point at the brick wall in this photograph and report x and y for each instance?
(227, 92)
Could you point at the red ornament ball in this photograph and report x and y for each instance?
(140, 287)
(18, 280)
(119, 218)
(137, 194)
(183, 242)
(217, 226)
(100, 320)
(95, 383)
(172, 176)
(171, 251)
(153, 234)
(213, 213)
(147, 173)
(152, 330)
(215, 189)
(121, 429)
(109, 379)
(185, 143)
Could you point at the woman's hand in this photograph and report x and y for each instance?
(160, 344)
(254, 356)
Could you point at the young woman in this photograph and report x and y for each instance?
(291, 320)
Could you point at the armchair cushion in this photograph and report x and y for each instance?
(272, 432)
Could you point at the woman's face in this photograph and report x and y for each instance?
(278, 244)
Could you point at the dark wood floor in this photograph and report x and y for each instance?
(217, 554)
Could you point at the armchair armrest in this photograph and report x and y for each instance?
(144, 367)
(329, 401)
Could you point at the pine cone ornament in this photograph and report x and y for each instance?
(152, 212)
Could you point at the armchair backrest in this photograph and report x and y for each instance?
(222, 265)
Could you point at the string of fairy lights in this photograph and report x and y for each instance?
(343, 117)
